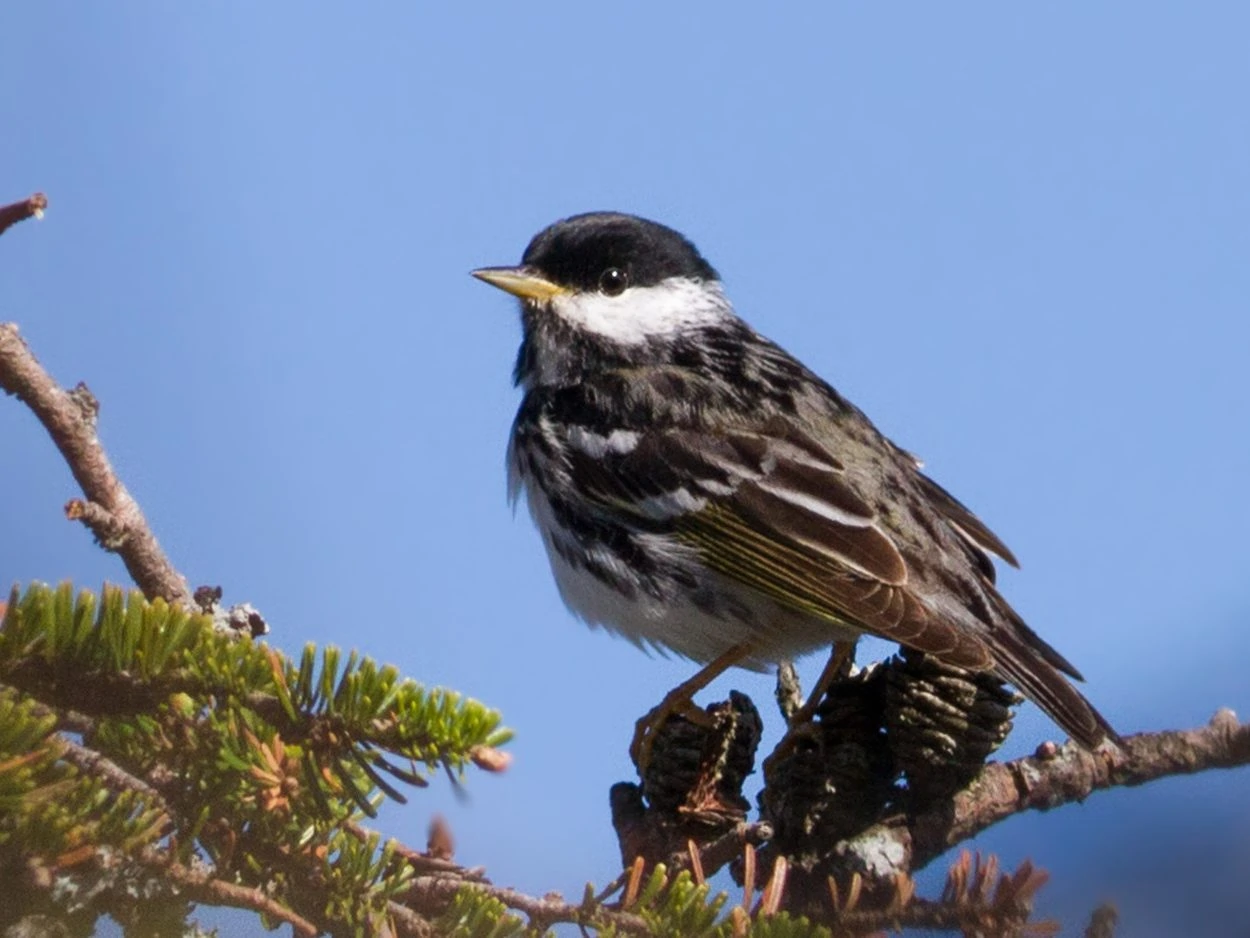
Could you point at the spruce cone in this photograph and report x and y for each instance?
(943, 722)
(699, 770)
(836, 776)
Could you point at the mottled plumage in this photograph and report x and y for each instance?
(698, 488)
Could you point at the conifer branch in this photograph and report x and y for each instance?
(201, 885)
(90, 762)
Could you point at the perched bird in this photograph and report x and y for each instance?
(699, 490)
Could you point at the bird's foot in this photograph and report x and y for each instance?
(647, 729)
(838, 666)
(680, 702)
(797, 735)
(801, 726)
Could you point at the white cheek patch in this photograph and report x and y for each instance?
(640, 313)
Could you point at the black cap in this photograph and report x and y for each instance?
(576, 251)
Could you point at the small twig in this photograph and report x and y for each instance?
(925, 915)
(67, 720)
(30, 207)
(202, 886)
(716, 853)
(422, 863)
(410, 924)
(197, 882)
(429, 896)
(789, 692)
(90, 762)
(110, 511)
(1102, 922)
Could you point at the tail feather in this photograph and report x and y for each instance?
(1038, 645)
(1023, 659)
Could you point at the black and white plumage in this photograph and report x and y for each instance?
(697, 488)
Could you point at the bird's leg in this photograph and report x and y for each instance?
(801, 718)
(841, 656)
(679, 700)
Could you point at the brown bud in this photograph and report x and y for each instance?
(440, 844)
(490, 759)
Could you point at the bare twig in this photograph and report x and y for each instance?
(422, 863)
(723, 849)
(30, 207)
(1073, 774)
(110, 511)
(1102, 922)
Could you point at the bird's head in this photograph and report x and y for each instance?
(606, 289)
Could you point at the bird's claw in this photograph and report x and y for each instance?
(647, 729)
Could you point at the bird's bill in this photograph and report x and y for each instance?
(519, 281)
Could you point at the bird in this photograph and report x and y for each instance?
(701, 492)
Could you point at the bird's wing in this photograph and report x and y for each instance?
(778, 513)
(968, 526)
(776, 509)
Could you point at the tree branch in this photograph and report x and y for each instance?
(90, 762)
(110, 511)
(1050, 779)
(1045, 781)
(430, 895)
(202, 886)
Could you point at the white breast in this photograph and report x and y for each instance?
(726, 614)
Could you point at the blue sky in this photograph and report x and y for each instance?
(1017, 239)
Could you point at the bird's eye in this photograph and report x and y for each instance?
(613, 281)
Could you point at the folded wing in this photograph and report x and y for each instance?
(778, 515)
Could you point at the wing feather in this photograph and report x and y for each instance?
(968, 525)
(778, 516)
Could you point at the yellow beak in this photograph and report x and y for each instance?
(519, 281)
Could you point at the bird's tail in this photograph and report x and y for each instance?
(1024, 659)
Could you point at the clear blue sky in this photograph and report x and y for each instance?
(1019, 240)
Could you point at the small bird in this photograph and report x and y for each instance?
(699, 490)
